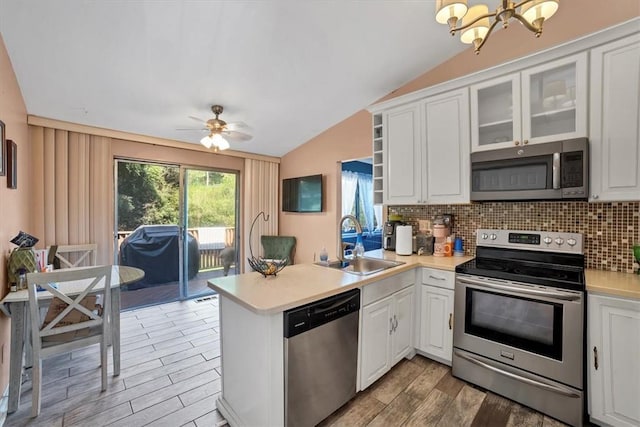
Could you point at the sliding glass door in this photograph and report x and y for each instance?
(210, 205)
(178, 224)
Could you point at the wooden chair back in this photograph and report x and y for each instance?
(77, 255)
(73, 308)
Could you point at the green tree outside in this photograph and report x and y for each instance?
(149, 194)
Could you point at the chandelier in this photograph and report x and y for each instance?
(476, 27)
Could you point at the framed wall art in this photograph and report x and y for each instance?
(3, 150)
(12, 164)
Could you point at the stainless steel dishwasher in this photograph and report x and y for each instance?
(320, 357)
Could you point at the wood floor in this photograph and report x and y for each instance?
(420, 393)
(171, 377)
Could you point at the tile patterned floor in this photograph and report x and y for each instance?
(171, 377)
(170, 374)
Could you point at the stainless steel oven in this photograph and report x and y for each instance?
(555, 170)
(519, 311)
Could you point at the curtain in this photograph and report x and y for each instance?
(72, 197)
(377, 210)
(365, 183)
(349, 186)
(261, 188)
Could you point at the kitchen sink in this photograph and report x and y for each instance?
(362, 266)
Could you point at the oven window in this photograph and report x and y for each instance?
(523, 323)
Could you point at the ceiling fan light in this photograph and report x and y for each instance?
(478, 30)
(447, 9)
(207, 141)
(223, 144)
(539, 10)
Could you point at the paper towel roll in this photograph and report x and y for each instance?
(404, 243)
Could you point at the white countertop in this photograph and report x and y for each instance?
(304, 283)
(300, 284)
(613, 283)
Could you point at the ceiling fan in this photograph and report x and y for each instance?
(221, 132)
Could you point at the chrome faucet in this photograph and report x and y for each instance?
(339, 239)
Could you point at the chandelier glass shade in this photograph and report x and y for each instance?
(475, 22)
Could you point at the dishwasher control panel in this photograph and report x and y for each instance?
(309, 316)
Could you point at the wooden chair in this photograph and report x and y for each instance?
(77, 255)
(76, 318)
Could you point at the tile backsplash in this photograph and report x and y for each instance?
(610, 229)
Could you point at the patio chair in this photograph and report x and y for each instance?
(279, 247)
(76, 255)
(76, 317)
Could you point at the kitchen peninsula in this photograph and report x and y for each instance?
(251, 322)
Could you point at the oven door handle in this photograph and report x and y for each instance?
(550, 387)
(565, 296)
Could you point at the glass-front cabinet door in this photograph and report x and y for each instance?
(495, 113)
(540, 104)
(554, 100)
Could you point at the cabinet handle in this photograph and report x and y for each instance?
(395, 323)
(595, 357)
(437, 278)
(525, 142)
(450, 321)
(390, 325)
(516, 142)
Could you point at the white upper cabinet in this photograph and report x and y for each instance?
(446, 167)
(495, 113)
(615, 114)
(540, 104)
(402, 178)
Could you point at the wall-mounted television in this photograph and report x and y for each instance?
(302, 194)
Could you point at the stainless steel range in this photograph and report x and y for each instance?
(520, 320)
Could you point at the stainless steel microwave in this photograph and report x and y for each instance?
(549, 171)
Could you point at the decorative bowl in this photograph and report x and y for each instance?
(267, 267)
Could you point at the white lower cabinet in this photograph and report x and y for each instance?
(613, 360)
(436, 315)
(387, 327)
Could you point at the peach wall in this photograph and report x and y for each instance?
(575, 18)
(14, 204)
(352, 137)
(348, 140)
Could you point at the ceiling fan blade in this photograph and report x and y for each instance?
(194, 129)
(238, 126)
(237, 136)
(197, 119)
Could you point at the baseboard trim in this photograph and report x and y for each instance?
(227, 412)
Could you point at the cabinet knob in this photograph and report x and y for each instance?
(525, 142)
(594, 196)
(516, 142)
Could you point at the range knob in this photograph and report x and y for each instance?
(493, 236)
(547, 240)
(571, 241)
(484, 236)
(559, 241)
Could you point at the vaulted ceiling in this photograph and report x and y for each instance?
(288, 68)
